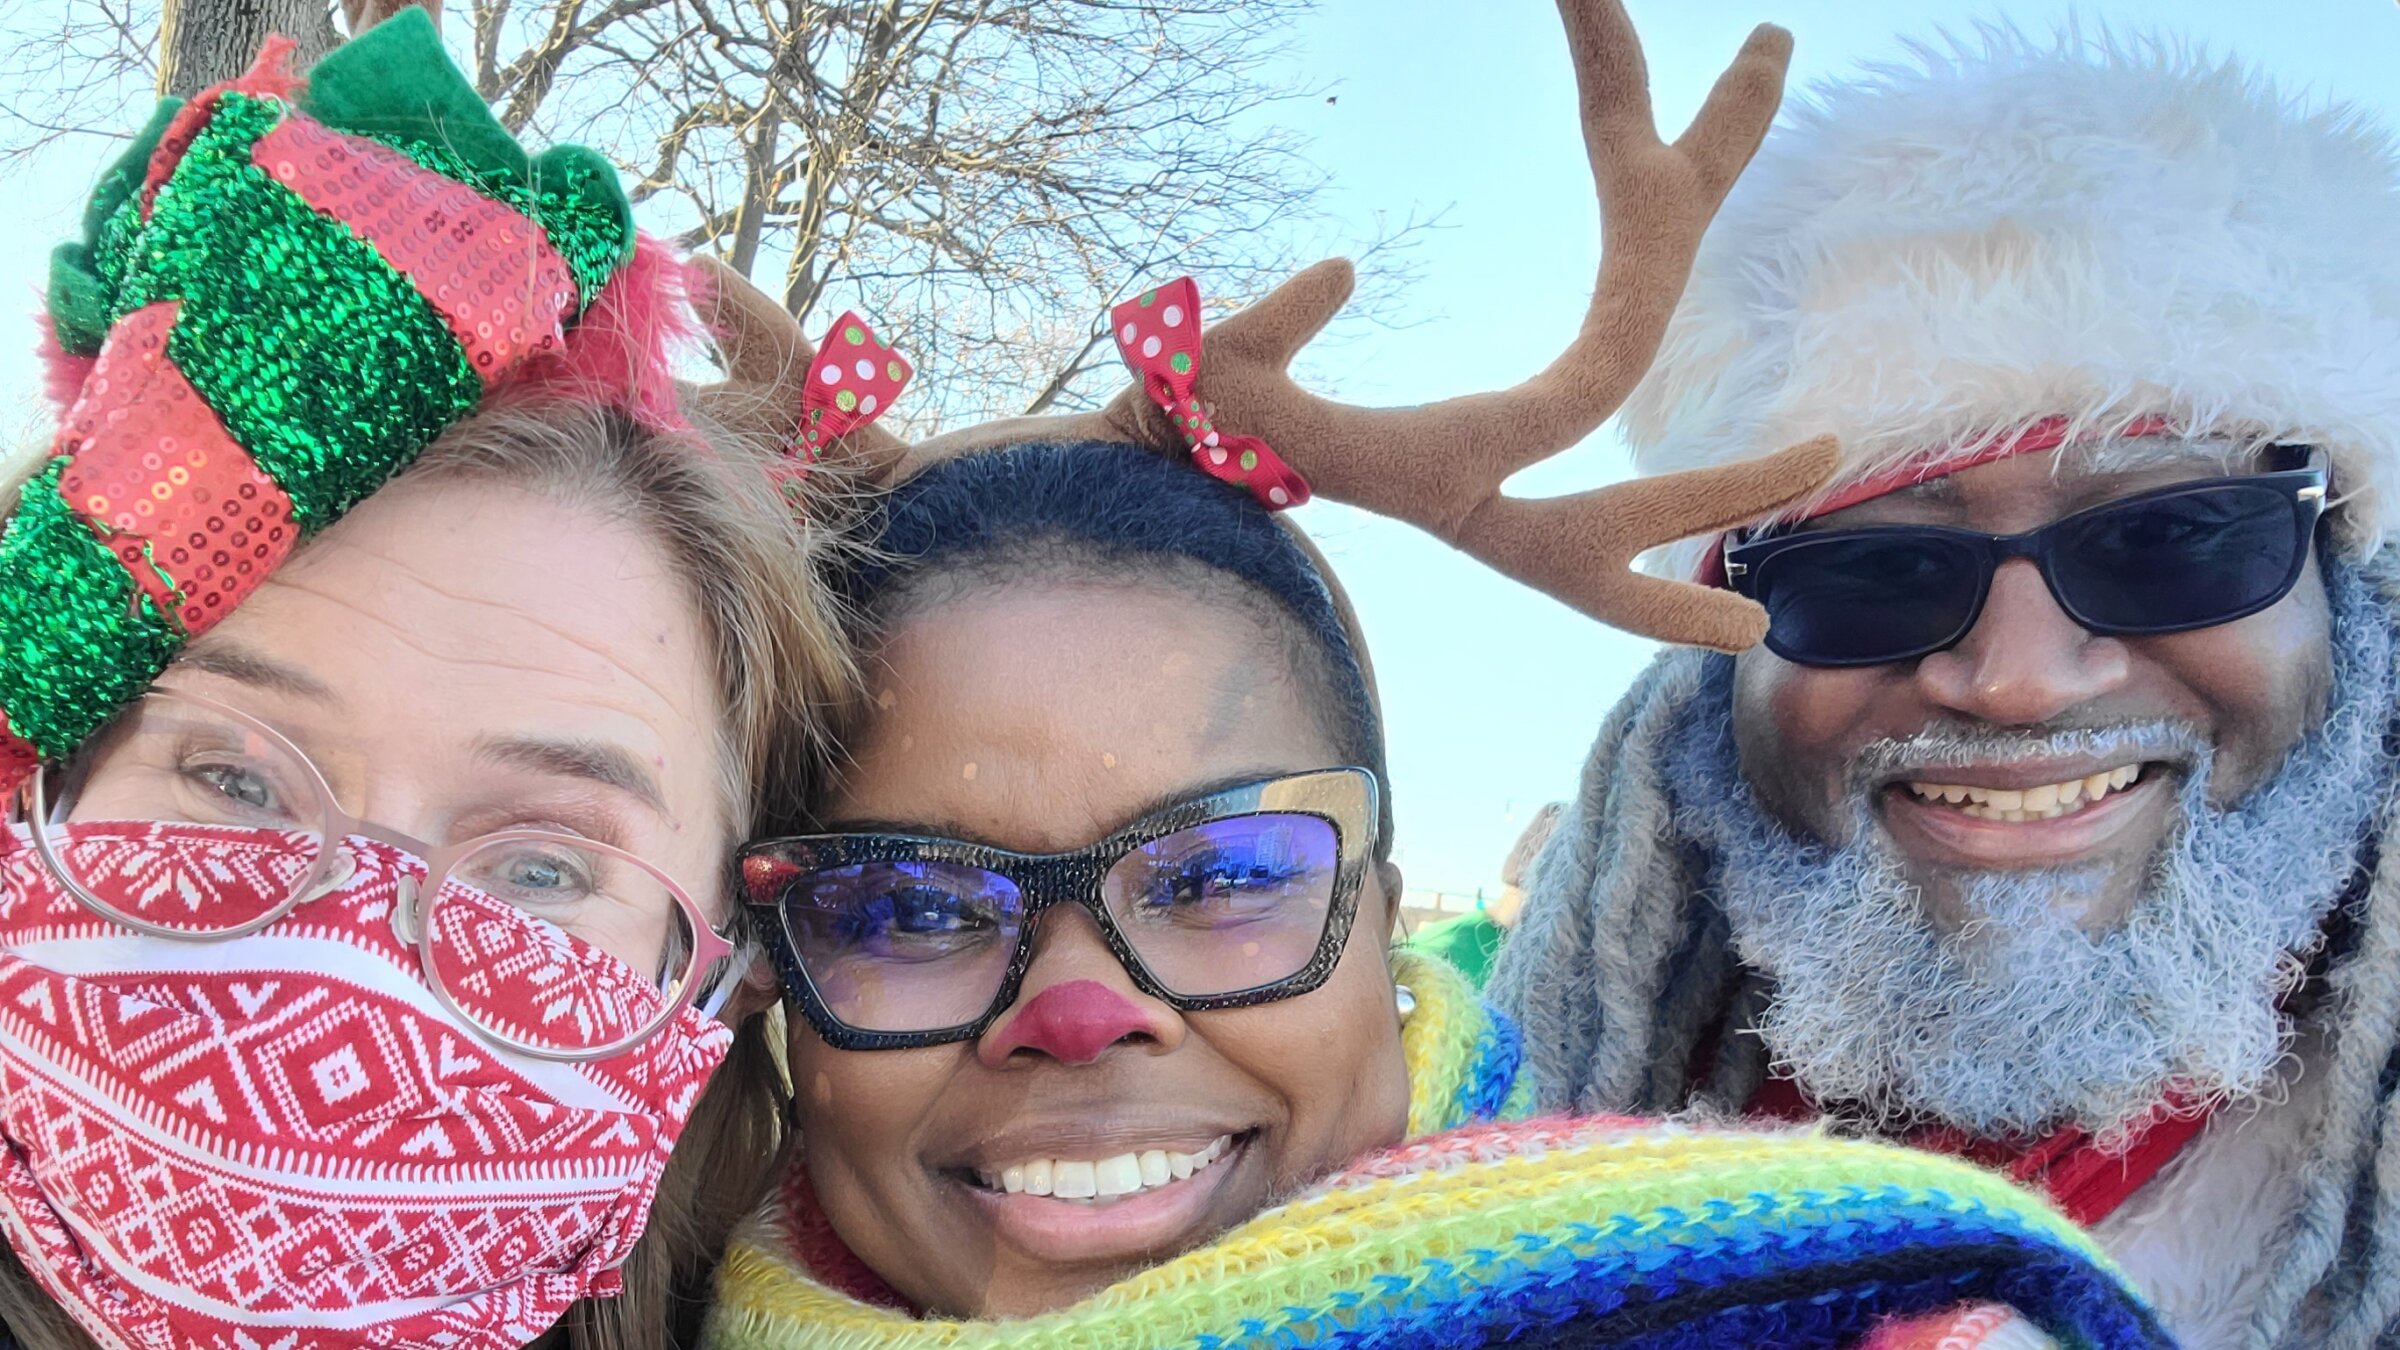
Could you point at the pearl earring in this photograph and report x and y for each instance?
(1406, 998)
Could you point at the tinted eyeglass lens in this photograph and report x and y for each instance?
(901, 946)
(1228, 905)
(2179, 562)
(1867, 599)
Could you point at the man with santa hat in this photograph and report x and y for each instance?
(2049, 824)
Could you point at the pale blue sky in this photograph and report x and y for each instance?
(1493, 692)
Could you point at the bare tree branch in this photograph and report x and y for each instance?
(983, 176)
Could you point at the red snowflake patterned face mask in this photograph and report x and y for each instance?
(286, 1139)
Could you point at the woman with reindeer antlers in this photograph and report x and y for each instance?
(1097, 1035)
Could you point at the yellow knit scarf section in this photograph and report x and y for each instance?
(1271, 1274)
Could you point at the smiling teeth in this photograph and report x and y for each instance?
(2046, 802)
(1105, 1178)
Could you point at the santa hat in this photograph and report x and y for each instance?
(2084, 236)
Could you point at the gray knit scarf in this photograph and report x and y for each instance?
(1624, 968)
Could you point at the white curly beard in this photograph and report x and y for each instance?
(2024, 1021)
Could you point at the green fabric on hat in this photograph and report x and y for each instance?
(84, 273)
(395, 83)
(264, 279)
(76, 641)
(78, 300)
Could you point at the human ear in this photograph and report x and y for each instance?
(1387, 880)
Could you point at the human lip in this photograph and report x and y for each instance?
(1093, 1133)
(1121, 1206)
(1119, 1174)
(2022, 815)
(2029, 801)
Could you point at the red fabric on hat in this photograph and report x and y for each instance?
(169, 492)
(484, 267)
(2046, 433)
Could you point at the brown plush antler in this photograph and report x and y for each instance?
(1441, 466)
(766, 368)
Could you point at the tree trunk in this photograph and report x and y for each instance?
(202, 42)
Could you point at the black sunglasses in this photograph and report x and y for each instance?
(1241, 897)
(2190, 556)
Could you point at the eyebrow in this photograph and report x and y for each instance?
(956, 833)
(231, 661)
(599, 762)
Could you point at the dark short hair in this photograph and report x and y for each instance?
(1090, 509)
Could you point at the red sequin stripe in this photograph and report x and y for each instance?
(491, 273)
(167, 489)
(17, 763)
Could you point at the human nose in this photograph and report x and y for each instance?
(2025, 661)
(1076, 1002)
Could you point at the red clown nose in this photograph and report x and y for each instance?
(1071, 1023)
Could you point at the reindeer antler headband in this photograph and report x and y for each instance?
(1439, 466)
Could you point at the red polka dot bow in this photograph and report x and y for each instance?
(1158, 333)
(854, 378)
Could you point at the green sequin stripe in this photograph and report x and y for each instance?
(117, 236)
(266, 281)
(567, 202)
(76, 641)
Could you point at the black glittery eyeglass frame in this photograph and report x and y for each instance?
(1344, 798)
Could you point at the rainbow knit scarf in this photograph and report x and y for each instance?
(1561, 1232)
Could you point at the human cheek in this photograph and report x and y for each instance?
(1794, 727)
(2264, 681)
(1335, 1117)
(859, 1117)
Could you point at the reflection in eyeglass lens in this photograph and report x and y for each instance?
(174, 761)
(524, 982)
(166, 759)
(908, 945)
(1227, 905)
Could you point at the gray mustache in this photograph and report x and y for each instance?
(1954, 745)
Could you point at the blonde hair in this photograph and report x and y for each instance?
(707, 499)
(755, 573)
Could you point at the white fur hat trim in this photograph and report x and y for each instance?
(2003, 230)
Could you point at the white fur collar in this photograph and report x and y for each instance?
(2196, 1239)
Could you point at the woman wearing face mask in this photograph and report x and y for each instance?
(1099, 1038)
(363, 920)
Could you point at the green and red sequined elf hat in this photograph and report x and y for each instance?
(282, 295)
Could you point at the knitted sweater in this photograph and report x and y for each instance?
(1486, 1229)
